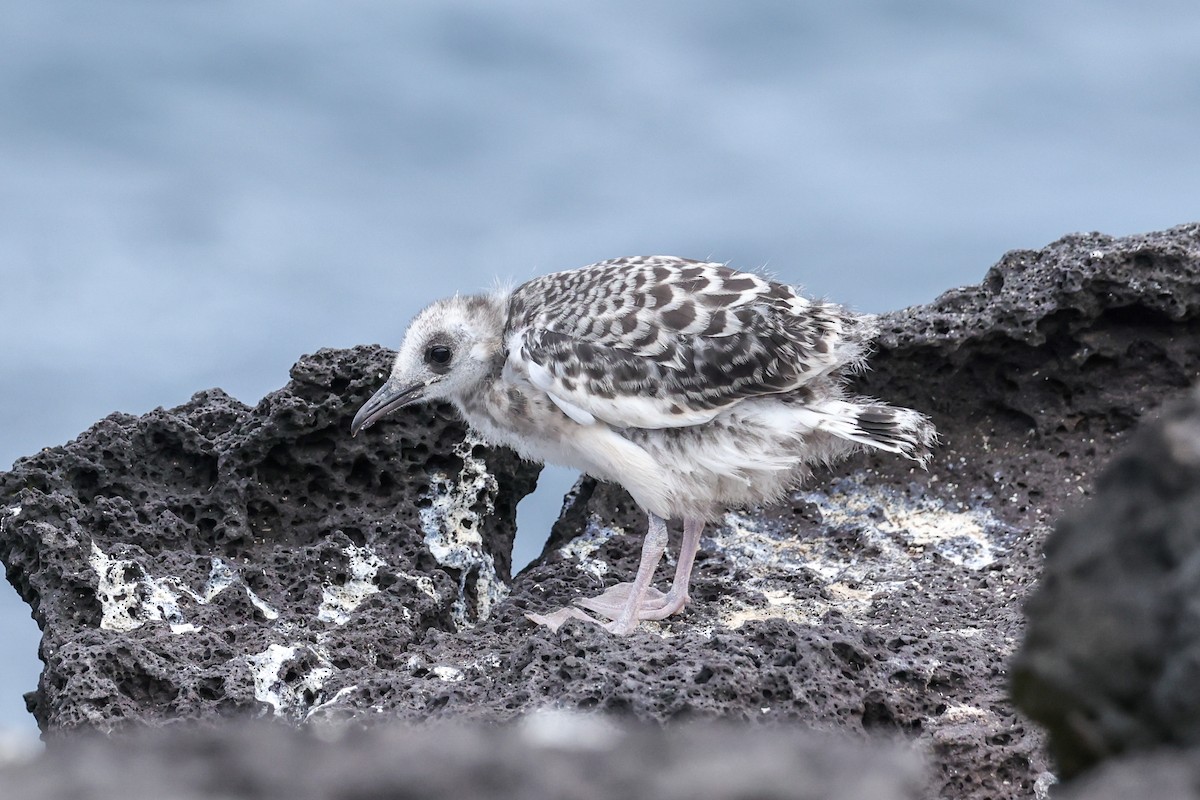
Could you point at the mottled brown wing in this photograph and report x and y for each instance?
(655, 342)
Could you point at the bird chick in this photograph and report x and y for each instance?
(696, 387)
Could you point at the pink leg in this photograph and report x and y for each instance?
(626, 603)
(674, 601)
(652, 550)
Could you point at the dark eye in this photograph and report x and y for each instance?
(438, 355)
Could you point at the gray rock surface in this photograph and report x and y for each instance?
(206, 560)
(881, 599)
(1111, 658)
(547, 757)
(1167, 774)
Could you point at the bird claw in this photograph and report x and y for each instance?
(610, 605)
(627, 604)
(555, 619)
(655, 605)
(612, 602)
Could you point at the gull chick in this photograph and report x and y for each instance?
(696, 387)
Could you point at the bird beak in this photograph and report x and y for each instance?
(384, 402)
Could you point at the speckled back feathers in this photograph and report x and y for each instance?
(660, 341)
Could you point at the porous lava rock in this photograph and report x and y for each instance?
(1111, 657)
(880, 599)
(884, 597)
(204, 561)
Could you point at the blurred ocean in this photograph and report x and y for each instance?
(195, 194)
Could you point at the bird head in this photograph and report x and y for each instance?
(449, 350)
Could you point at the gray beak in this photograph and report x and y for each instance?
(384, 402)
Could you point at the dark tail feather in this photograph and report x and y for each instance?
(899, 430)
(896, 430)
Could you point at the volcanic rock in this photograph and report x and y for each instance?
(880, 599)
(207, 560)
(1111, 658)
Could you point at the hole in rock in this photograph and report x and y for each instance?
(538, 511)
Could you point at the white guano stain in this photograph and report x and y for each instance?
(338, 602)
(448, 674)
(583, 546)
(130, 596)
(964, 713)
(266, 610)
(301, 696)
(453, 535)
(268, 686)
(966, 536)
(338, 696)
(893, 531)
(424, 584)
(220, 577)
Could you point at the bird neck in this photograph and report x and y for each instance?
(480, 408)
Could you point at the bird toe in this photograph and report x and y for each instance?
(613, 601)
(555, 619)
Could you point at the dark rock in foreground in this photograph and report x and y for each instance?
(1111, 659)
(881, 599)
(547, 756)
(1167, 774)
